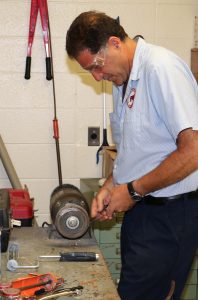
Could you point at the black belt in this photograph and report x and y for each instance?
(150, 200)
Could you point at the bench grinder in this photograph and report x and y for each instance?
(69, 211)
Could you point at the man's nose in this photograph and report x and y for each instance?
(97, 75)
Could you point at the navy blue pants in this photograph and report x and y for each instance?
(158, 245)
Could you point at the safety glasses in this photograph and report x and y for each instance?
(98, 61)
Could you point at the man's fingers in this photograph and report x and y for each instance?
(103, 199)
(100, 204)
(110, 211)
(98, 209)
(94, 208)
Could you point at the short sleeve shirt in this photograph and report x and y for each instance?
(160, 101)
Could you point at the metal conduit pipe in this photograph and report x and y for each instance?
(10, 170)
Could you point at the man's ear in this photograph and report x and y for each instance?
(114, 41)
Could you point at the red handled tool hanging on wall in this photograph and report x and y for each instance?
(39, 6)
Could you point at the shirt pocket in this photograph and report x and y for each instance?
(115, 127)
(132, 130)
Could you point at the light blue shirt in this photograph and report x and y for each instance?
(164, 98)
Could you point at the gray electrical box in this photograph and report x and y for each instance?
(93, 136)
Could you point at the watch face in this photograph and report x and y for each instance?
(134, 196)
(137, 198)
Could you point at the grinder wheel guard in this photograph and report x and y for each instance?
(69, 211)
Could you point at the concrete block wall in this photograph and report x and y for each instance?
(26, 106)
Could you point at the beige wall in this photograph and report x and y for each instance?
(26, 106)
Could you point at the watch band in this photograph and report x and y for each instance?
(134, 195)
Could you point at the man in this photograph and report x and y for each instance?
(155, 177)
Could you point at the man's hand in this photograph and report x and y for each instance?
(120, 200)
(99, 204)
(108, 201)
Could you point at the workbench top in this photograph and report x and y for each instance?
(35, 241)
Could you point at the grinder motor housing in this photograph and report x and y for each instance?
(69, 211)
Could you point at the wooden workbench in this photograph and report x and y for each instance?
(35, 241)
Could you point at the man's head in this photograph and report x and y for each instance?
(101, 46)
(91, 30)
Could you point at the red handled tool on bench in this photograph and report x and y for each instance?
(39, 6)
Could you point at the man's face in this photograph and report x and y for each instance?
(107, 64)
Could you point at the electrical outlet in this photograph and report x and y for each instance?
(93, 136)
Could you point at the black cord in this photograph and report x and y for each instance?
(45, 223)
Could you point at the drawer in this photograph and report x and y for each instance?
(110, 235)
(114, 265)
(110, 250)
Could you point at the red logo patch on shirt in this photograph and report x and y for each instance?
(131, 98)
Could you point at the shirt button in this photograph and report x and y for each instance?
(115, 167)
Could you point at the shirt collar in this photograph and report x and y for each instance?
(138, 60)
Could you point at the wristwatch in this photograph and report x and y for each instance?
(134, 195)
